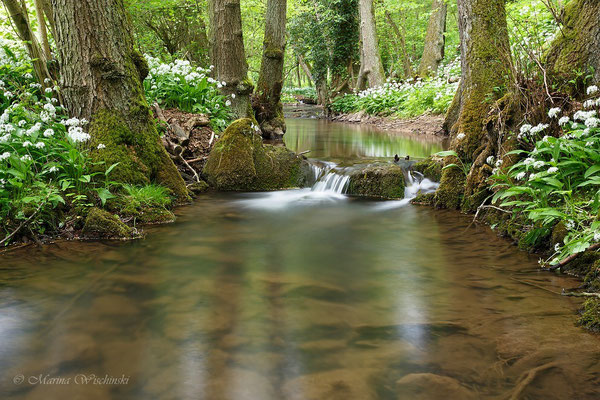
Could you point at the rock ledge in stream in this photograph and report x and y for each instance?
(240, 162)
(384, 181)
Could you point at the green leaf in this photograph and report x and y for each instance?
(591, 170)
(446, 153)
(105, 195)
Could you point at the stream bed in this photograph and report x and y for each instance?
(299, 294)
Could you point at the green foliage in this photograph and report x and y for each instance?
(293, 95)
(407, 99)
(44, 166)
(148, 195)
(180, 85)
(557, 181)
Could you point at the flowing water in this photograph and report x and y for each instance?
(301, 294)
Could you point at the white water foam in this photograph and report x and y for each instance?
(416, 185)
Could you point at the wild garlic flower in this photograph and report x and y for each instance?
(553, 112)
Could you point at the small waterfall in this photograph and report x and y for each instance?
(328, 179)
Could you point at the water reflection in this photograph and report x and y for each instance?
(336, 141)
(339, 300)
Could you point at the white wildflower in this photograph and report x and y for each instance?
(27, 143)
(461, 136)
(529, 161)
(538, 164)
(4, 156)
(592, 89)
(563, 121)
(228, 103)
(552, 170)
(53, 169)
(49, 132)
(520, 176)
(498, 163)
(592, 122)
(525, 128)
(77, 134)
(553, 112)
(490, 160)
(101, 146)
(557, 247)
(26, 157)
(570, 225)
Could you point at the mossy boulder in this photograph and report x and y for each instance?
(198, 187)
(384, 181)
(101, 224)
(431, 168)
(241, 162)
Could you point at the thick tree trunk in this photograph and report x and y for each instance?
(577, 45)
(228, 56)
(101, 78)
(485, 62)
(21, 22)
(433, 53)
(267, 99)
(371, 68)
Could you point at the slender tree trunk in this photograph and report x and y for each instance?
(101, 78)
(306, 69)
(371, 68)
(228, 56)
(577, 45)
(21, 22)
(485, 62)
(267, 99)
(401, 37)
(39, 12)
(433, 53)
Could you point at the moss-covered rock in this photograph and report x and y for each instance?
(384, 181)
(198, 187)
(431, 168)
(101, 224)
(590, 315)
(240, 162)
(424, 199)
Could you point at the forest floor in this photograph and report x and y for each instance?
(426, 124)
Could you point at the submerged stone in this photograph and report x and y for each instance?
(431, 386)
(102, 224)
(241, 162)
(384, 181)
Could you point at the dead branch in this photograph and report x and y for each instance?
(23, 224)
(580, 294)
(527, 377)
(570, 258)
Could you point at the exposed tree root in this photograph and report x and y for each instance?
(527, 377)
(580, 294)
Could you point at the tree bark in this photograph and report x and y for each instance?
(228, 56)
(39, 12)
(267, 99)
(38, 59)
(402, 45)
(486, 72)
(371, 69)
(433, 53)
(101, 77)
(577, 45)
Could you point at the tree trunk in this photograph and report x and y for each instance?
(39, 12)
(267, 99)
(101, 78)
(402, 45)
(433, 53)
(485, 62)
(577, 45)
(228, 56)
(38, 59)
(371, 68)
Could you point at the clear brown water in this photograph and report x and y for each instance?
(319, 299)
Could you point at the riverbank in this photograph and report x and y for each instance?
(424, 125)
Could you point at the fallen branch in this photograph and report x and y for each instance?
(193, 160)
(23, 224)
(188, 165)
(580, 294)
(303, 152)
(212, 137)
(572, 257)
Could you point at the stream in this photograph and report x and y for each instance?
(297, 294)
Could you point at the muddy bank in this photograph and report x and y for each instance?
(430, 125)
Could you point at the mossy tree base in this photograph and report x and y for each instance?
(240, 162)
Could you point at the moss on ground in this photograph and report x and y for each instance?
(101, 224)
